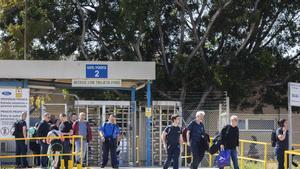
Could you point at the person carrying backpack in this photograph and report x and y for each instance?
(282, 142)
(56, 145)
(34, 145)
(230, 140)
(20, 127)
(172, 138)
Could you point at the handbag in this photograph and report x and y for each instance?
(223, 158)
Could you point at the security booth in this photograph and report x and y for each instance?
(125, 76)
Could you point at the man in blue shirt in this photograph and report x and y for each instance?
(195, 135)
(109, 133)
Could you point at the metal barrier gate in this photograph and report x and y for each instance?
(162, 111)
(97, 112)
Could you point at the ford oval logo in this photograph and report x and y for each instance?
(6, 93)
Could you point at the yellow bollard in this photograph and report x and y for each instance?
(79, 166)
(70, 164)
(62, 164)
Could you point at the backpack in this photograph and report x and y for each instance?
(184, 137)
(213, 149)
(273, 137)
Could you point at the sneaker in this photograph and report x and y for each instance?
(102, 166)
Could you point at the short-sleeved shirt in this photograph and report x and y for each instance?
(110, 130)
(282, 144)
(19, 128)
(65, 127)
(173, 134)
(43, 129)
(196, 131)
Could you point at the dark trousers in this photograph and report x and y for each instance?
(66, 150)
(280, 157)
(110, 145)
(197, 153)
(21, 149)
(44, 149)
(173, 154)
(37, 160)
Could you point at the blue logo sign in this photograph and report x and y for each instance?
(6, 93)
(96, 71)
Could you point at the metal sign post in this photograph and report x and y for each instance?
(293, 100)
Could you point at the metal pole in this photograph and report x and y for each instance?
(133, 111)
(220, 118)
(25, 31)
(148, 132)
(87, 150)
(227, 110)
(290, 123)
(265, 155)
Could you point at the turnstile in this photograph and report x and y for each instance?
(97, 113)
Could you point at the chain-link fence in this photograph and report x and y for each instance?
(258, 127)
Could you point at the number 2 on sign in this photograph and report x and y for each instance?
(97, 72)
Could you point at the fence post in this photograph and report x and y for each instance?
(70, 164)
(285, 159)
(62, 164)
(265, 156)
(73, 145)
(185, 154)
(242, 154)
(81, 150)
(210, 156)
(137, 150)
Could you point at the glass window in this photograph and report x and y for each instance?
(261, 124)
(242, 124)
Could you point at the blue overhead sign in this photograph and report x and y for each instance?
(96, 71)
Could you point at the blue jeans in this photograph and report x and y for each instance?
(77, 150)
(173, 153)
(234, 158)
(21, 149)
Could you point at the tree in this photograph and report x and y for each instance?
(241, 46)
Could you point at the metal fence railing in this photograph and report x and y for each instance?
(72, 153)
(290, 152)
(260, 159)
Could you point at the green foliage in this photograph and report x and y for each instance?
(241, 46)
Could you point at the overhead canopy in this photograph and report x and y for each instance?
(50, 71)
